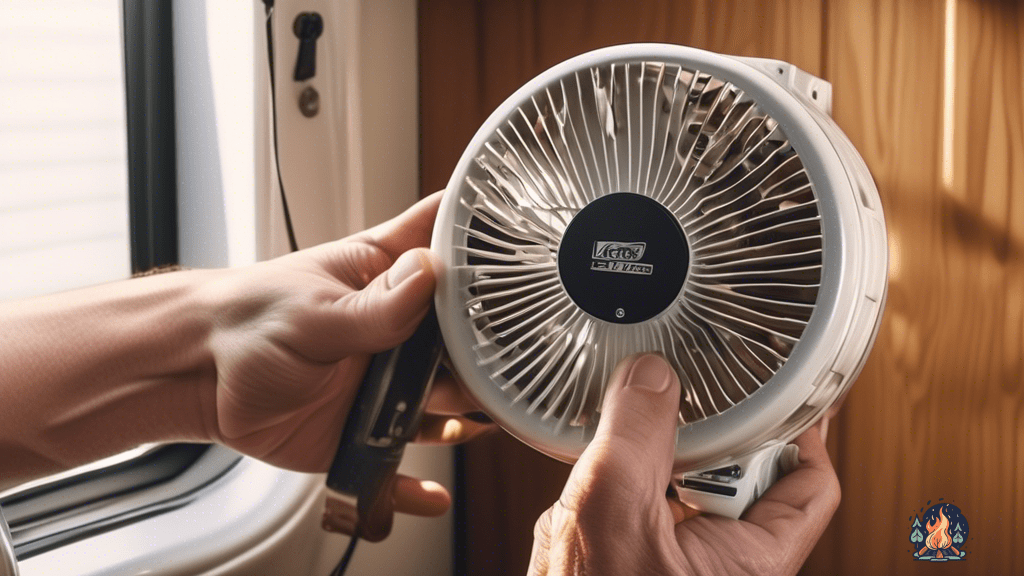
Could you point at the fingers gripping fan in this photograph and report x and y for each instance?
(660, 198)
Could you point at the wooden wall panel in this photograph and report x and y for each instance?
(937, 412)
(474, 54)
(789, 30)
(884, 61)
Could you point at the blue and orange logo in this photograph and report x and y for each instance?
(939, 535)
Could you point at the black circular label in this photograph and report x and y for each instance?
(623, 258)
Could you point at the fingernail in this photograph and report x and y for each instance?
(407, 265)
(789, 459)
(650, 372)
(452, 431)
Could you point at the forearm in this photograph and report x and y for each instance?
(92, 372)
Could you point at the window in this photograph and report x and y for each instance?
(65, 169)
(63, 160)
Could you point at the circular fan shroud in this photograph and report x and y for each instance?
(706, 143)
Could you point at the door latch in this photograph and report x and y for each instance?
(308, 27)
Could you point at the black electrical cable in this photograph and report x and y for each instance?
(269, 5)
(339, 570)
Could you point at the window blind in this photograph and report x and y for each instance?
(63, 160)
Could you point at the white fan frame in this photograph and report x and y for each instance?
(838, 336)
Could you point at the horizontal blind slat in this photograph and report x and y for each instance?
(65, 223)
(60, 268)
(86, 143)
(59, 15)
(64, 103)
(35, 185)
(54, 55)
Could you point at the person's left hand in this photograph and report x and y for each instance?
(614, 517)
(293, 337)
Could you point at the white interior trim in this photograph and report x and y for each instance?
(215, 130)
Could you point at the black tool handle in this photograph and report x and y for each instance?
(384, 417)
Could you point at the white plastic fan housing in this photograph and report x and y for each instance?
(653, 197)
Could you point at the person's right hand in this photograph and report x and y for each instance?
(613, 516)
(293, 337)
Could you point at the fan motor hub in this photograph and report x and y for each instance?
(624, 258)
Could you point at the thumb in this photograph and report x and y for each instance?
(632, 452)
(386, 312)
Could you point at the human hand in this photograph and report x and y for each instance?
(293, 337)
(613, 516)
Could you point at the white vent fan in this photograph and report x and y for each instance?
(654, 197)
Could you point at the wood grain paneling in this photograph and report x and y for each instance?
(474, 54)
(937, 412)
(885, 63)
(789, 30)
